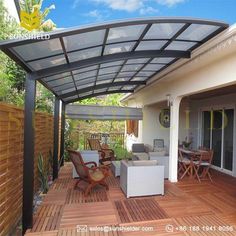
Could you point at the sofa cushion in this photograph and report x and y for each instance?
(135, 158)
(142, 155)
(138, 147)
(158, 153)
(145, 163)
(96, 175)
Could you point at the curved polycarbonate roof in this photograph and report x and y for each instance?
(108, 58)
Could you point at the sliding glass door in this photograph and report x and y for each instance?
(228, 139)
(217, 134)
(206, 129)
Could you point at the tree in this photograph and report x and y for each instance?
(12, 76)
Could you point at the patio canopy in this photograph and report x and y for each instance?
(79, 63)
(117, 57)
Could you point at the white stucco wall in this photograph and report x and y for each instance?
(150, 128)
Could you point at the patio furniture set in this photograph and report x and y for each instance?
(134, 174)
(143, 175)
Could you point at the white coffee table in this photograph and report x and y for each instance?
(115, 168)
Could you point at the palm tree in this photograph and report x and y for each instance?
(30, 6)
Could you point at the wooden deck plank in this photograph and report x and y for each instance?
(204, 225)
(77, 196)
(154, 228)
(133, 210)
(186, 203)
(96, 213)
(46, 233)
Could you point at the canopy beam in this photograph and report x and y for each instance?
(100, 94)
(110, 58)
(101, 86)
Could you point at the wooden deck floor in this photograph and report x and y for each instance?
(185, 206)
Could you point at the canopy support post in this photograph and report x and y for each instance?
(63, 120)
(28, 164)
(56, 137)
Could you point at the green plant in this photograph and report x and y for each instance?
(50, 160)
(12, 76)
(186, 143)
(30, 5)
(69, 143)
(43, 174)
(122, 153)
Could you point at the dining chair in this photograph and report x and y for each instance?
(202, 166)
(184, 164)
(203, 148)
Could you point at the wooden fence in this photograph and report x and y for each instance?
(11, 160)
(113, 138)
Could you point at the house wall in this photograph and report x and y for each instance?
(196, 108)
(211, 66)
(150, 128)
(211, 103)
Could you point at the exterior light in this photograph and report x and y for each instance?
(169, 102)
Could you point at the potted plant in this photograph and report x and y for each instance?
(186, 143)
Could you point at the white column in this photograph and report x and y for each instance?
(174, 136)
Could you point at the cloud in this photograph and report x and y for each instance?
(144, 7)
(148, 11)
(75, 4)
(169, 3)
(95, 14)
(126, 5)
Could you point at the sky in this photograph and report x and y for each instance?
(70, 13)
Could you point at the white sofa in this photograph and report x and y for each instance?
(140, 151)
(87, 156)
(141, 178)
(161, 160)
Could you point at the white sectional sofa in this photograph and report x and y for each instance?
(145, 152)
(161, 160)
(141, 178)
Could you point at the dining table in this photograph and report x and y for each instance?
(192, 155)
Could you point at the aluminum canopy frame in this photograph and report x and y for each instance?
(116, 57)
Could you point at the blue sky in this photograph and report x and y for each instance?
(69, 13)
